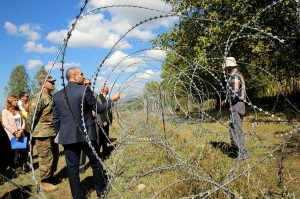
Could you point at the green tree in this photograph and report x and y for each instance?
(262, 34)
(36, 87)
(19, 81)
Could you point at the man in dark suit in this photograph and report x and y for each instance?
(82, 167)
(70, 115)
(103, 121)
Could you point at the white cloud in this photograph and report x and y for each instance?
(58, 65)
(145, 76)
(123, 25)
(113, 87)
(135, 85)
(100, 82)
(157, 54)
(91, 31)
(103, 29)
(29, 31)
(31, 46)
(10, 28)
(57, 36)
(26, 30)
(135, 15)
(121, 62)
(34, 63)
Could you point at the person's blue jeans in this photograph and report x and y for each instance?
(72, 155)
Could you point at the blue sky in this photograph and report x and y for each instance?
(33, 31)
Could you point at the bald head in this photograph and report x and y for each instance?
(69, 73)
(75, 75)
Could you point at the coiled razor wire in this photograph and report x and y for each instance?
(157, 142)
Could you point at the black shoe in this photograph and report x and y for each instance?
(2, 181)
(26, 169)
(35, 166)
(232, 152)
(103, 194)
(13, 176)
(53, 180)
(105, 155)
(14, 173)
(82, 170)
(112, 139)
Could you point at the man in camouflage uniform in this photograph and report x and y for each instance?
(44, 134)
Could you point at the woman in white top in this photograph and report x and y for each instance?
(14, 124)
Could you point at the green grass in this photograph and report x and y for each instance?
(178, 161)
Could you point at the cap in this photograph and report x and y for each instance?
(49, 79)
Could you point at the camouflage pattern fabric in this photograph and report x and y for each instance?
(48, 153)
(43, 126)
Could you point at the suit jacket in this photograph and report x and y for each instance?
(9, 123)
(107, 115)
(64, 120)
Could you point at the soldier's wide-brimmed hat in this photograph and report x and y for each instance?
(49, 79)
(230, 62)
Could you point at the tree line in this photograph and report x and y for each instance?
(20, 81)
(264, 35)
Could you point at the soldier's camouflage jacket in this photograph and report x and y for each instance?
(43, 125)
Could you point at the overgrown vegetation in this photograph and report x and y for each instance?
(189, 158)
(262, 35)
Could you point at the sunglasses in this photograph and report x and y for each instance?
(88, 84)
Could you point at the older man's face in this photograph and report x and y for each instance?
(104, 90)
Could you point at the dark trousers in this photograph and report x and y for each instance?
(72, 155)
(17, 158)
(103, 138)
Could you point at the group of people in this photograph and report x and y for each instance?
(57, 119)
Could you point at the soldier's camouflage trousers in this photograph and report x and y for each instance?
(48, 153)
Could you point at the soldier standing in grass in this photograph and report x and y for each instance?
(44, 134)
(235, 96)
